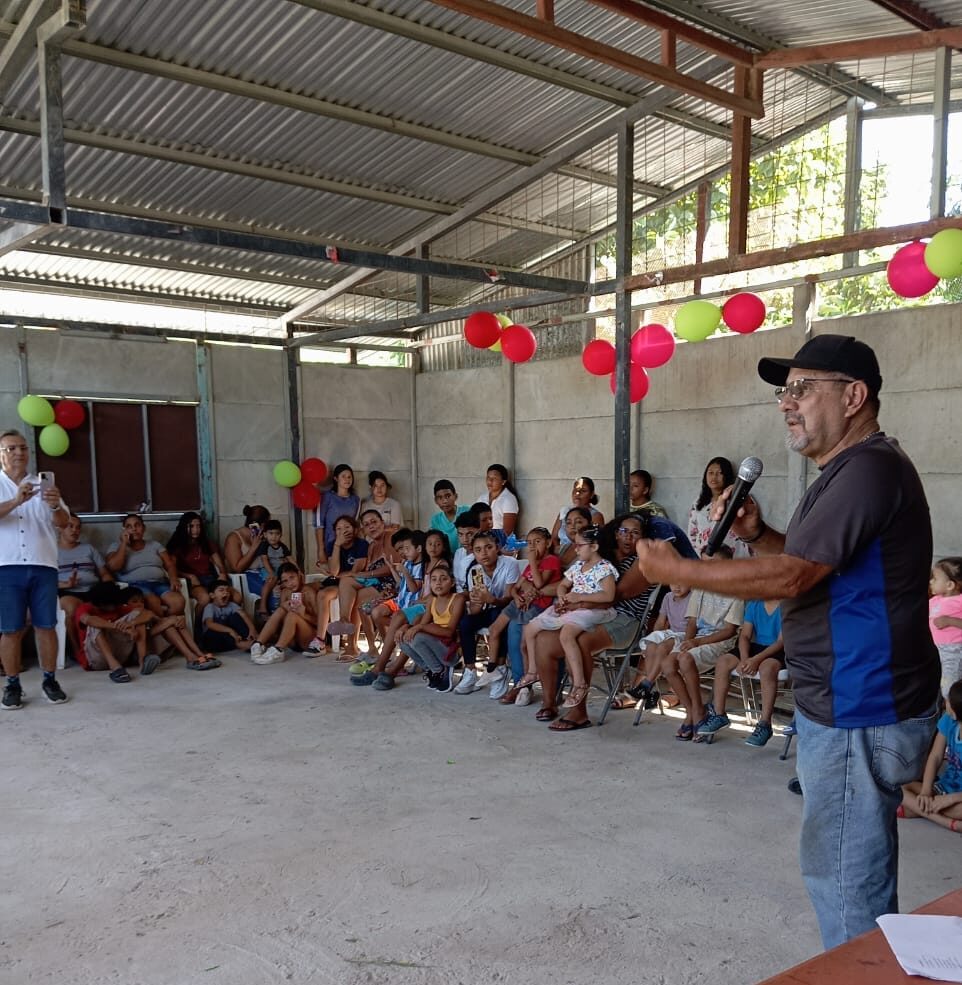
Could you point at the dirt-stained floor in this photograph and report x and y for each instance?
(258, 825)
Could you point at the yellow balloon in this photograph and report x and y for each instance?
(496, 347)
(505, 322)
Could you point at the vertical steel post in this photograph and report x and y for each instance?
(940, 129)
(294, 423)
(52, 155)
(624, 228)
(205, 436)
(853, 174)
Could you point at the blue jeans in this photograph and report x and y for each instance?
(515, 656)
(852, 785)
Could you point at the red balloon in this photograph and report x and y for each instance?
(305, 496)
(638, 383)
(518, 343)
(69, 414)
(482, 329)
(907, 273)
(313, 470)
(599, 357)
(652, 345)
(744, 312)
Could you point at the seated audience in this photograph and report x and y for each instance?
(489, 579)
(670, 626)
(437, 551)
(294, 623)
(348, 558)
(582, 601)
(391, 615)
(718, 476)
(502, 499)
(639, 493)
(577, 518)
(242, 547)
(273, 552)
(390, 509)
(945, 618)
(226, 625)
(582, 495)
(112, 634)
(144, 564)
(938, 797)
(197, 557)
(432, 641)
(446, 497)
(174, 632)
(760, 651)
(467, 526)
(80, 566)
(340, 501)
(711, 630)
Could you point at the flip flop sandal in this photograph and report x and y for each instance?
(546, 715)
(120, 676)
(567, 725)
(151, 663)
(200, 665)
(685, 733)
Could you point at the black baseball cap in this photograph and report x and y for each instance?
(832, 353)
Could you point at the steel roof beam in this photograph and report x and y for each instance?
(500, 190)
(862, 48)
(914, 13)
(829, 77)
(20, 235)
(401, 26)
(323, 253)
(21, 45)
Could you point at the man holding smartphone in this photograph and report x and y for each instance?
(29, 519)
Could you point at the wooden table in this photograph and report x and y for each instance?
(865, 960)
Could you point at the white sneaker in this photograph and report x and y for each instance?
(488, 677)
(270, 656)
(499, 686)
(524, 697)
(256, 650)
(469, 682)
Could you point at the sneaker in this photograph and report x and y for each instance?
(270, 656)
(489, 676)
(795, 786)
(442, 680)
(12, 698)
(712, 723)
(639, 691)
(790, 729)
(524, 697)
(53, 692)
(651, 699)
(384, 682)
(469, 682)
(257, 650)
(359, 667)
(313, 649)
(364, 680)
(761, 735)
(499, 687)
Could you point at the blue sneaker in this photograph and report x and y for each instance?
(383, 682)
(790, 728)
(712, 724)
(364, 680)
(761, 735)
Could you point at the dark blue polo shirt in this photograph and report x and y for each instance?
(858, 644)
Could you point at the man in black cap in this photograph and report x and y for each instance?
(853, 569)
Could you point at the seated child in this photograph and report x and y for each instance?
(760, 651)
(938, 797)
(226, 625)
(576, 519)
(485, 518)
(467, 526)
(670, 627)
(591, 579)
(393, 614)
(173, 630)
(583, 495)
(712, 623)
(272, 553)
(294, 622)
(432, 641)
(112, 634)
(527, 601)
(347, 558)
(446, 497)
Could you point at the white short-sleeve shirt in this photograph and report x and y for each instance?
(504, 502)
(27, 533)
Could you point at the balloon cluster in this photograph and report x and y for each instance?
(743, 313)
(917, 267)
(651, 346)
(302, 481)
(55, 420)
(486, 330)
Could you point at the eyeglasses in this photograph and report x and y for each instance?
(10, 448)
(796, 389)
(629, 532)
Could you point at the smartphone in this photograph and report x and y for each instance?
(255, 528)
(477, 577)
(297, 598)
(46, 480)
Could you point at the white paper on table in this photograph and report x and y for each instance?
(930, 946)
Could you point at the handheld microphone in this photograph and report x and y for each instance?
(748, 473)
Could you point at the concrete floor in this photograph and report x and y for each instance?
(275, 824)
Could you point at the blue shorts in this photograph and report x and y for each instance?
(23, 587)
(151, 587)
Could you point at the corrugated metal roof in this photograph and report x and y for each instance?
(288, 45)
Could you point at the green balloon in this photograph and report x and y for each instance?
(54, 440)
(943, 255)
(696, 320)
(36, 411)
(287, 474)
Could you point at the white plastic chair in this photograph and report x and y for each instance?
(61, 629)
